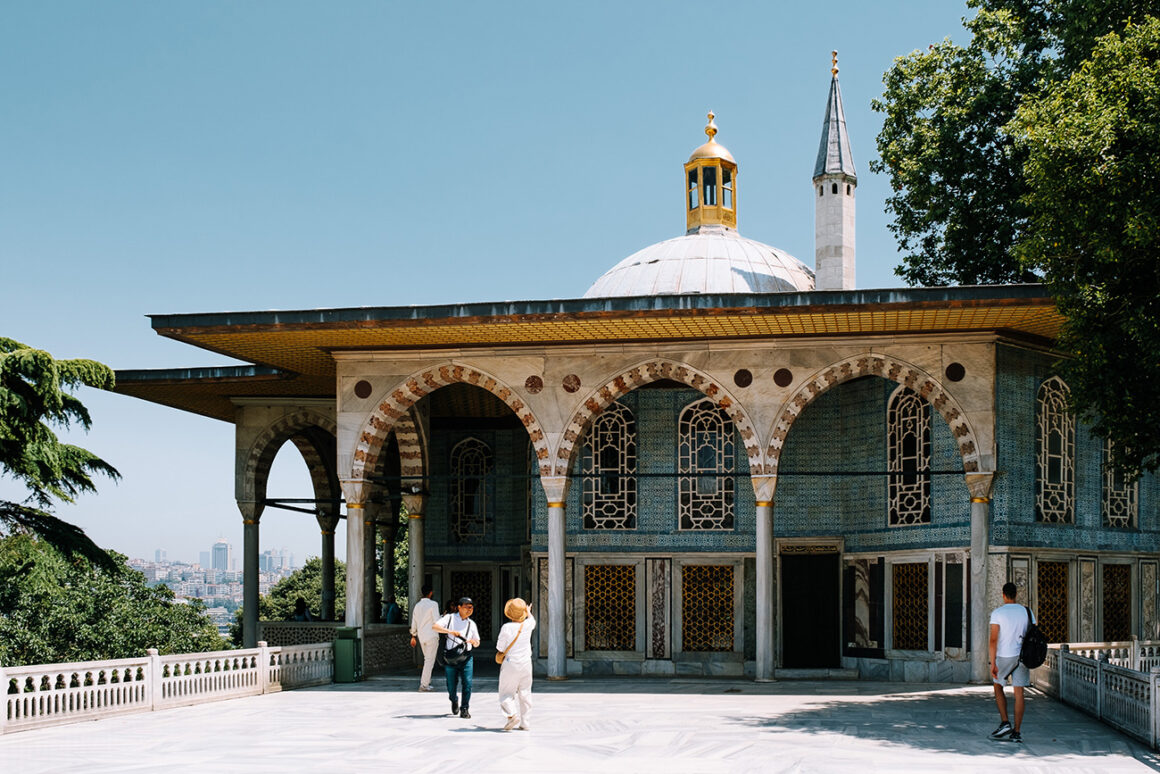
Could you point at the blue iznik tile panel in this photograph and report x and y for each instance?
(656, 412)
(843, 434)
(1020, 373)
(507, 525)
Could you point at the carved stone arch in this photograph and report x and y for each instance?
(392, 409)
(893, 369)
(313, 434)
(644, 373)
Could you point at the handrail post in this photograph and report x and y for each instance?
(1134, 646)
(1061, 668)
(1153, 706)
(263, 666)
(154, 678)
(1100, 684)
(4, 692)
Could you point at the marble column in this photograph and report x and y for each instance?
(327, 522)
(556, 489)
(979, 485)
(764, 487)
(416, 558)
(251, 514)
(355, 492)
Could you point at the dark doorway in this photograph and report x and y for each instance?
(811, 609)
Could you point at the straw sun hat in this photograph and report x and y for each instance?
(516, 609)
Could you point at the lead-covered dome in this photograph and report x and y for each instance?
(711, 260)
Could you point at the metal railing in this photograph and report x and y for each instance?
(54, 694)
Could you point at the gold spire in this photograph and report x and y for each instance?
(834, 63)
(711, 128)
(710, 184)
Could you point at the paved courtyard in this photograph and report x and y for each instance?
(602, 725)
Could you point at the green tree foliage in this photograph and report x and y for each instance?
(958, 204)
(60, 608)
(33, 400)
(1093, 194)
(305, 582)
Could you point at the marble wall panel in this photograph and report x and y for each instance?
(1087, 600)
(542, 606)
(1148, 620)
(658, 584)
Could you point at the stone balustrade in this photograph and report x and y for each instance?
(55, 694)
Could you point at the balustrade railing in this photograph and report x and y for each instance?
(54, 694)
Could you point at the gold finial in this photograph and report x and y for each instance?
(834, 63)
(711, 128)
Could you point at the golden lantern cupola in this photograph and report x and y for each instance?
(710, 184)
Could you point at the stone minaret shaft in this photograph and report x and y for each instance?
(835, 183)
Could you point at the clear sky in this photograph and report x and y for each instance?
(217, 156)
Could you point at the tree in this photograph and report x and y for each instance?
(958, 205)
(1093, 195)
(305, 582)
(33, 400)
(60, 608)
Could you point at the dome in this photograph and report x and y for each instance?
(712, 150)
(709, 260)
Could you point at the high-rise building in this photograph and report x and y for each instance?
(159, 555)
(203, 559)
(223, 555)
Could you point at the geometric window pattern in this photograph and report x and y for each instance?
(477, 585)
(705, 467)
(609, 607)
(608, 463)
(910, 606)
(1051, 612)
(1117, 602)
(471, 464)
(1120, 497)
(707, 608)
(908, 436)
(1054, 455)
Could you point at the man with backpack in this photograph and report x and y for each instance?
(1009, 622)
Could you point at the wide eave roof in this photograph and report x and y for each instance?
(292, 350)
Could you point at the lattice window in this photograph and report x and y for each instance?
(1117, 602)
(471, 501)
(1120, 498)
(908, 438)
(608, 463)
(477, 585)
(707, 607)
(1051, 585)
(910, 606)
(705, 460)
(1055, 455)
(610, 607)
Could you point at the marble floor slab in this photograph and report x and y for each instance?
(589, 725)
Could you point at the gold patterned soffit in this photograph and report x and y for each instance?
(213, 398)
(305, 348)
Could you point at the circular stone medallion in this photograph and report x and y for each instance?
(571, 383)
(533, 384)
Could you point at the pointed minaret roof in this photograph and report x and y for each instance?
(834, 156)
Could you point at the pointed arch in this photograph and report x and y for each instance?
(870, 364)
(392, 409)
(644, 373)
(313, 434)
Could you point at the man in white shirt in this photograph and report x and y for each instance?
(1008, 625)
(422, 618)
(460, 629)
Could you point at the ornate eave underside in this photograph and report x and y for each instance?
(295, 347)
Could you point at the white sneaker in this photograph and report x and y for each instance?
(512, 722)
(425, 689)
(524, 727)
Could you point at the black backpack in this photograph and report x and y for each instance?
(1034, 650)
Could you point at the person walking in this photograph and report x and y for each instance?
(462, 632)
(423, 617)
(515, 671)
(1008, 625)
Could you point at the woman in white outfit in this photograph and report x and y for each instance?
(515, 672)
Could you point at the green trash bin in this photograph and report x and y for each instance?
(347, 655)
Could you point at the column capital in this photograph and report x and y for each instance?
(327, 522)
(979, 485)
(764, 487)
(251, 511)
(555, 488)
(416, 504)
(355, 490)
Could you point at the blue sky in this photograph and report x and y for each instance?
(213, 156)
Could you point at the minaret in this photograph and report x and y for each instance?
(835, 182)
(710, 185)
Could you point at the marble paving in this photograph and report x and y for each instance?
(584, 725)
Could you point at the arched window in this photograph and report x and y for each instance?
(1120, 498)
(471, 501)
(705, 451)
(908, 453)
(1054, 455)
(608, 464)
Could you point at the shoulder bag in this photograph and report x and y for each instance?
(499, 657)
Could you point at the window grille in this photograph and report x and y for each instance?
(707, 608)
(1120, 497)
(908, 434)
(610, 607)
(705, 450)
(1052, 605)
(471, 504)
(477, 585)
(1117, 610)
(609, 467)
(910, 606)
(1055, 455)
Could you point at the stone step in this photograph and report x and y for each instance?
(836, 673)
